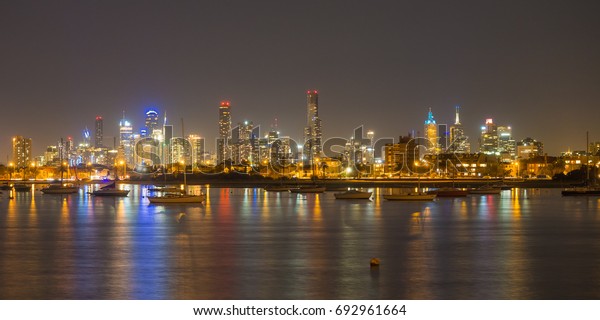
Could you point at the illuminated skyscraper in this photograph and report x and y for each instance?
(224, 132)
(506, 143)
(126, 140)
(431, 134)
(98, 132)
(488, 142)
(151, 121)
(21, 148)
(312, 131)
(458, 140)
(197, 152)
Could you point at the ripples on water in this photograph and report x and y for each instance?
(252, 244)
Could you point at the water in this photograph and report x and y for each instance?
(251, 244)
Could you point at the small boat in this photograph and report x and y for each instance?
(503, 186)
(164, 189)
(486, 190)
(177, 198)
(308, 189)
(277, 188)
(353, 194)
(410, 196)
(110, 190)
(21, 187)
(449, 192)
(59, 189)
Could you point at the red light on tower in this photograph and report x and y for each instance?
(98, 118)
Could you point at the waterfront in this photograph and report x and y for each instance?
(245, 243)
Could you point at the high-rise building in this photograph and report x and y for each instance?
(312, 132)
(126, 140)
(223, 152)
(431, 134)
(458, 140)
(21, 148)
(197, 152)
(98, 132)
(506, 143)
(151, 121)
(166, 147)
(488, 143)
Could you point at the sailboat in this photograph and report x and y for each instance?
(178, 197)
(62, 188)
(587, 190)
(419, 195)
(110, 190)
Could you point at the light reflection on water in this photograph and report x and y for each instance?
(251, 244)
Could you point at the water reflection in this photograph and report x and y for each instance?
(248, 243)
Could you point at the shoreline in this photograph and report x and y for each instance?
(350, 183)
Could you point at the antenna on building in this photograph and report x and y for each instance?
(457, 121)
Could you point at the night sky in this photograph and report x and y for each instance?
(534, 65)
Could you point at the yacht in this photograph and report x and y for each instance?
(353, 194)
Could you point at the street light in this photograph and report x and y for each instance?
(10, 169)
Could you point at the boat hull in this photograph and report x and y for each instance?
(308, 190)
(59, 190)
(177, 199)
(110, 193)
(410, 197)
(486, 191)
(353, 195)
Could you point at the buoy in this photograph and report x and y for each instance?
(181, 217)
(374, 262)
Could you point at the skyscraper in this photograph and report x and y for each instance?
(151, 121)
(458, 140)
(125, 142)
(312, 131)
(98, 133)
(506, 143)
(21, 149)
(488, 142)
(431, 134)
(224, 132)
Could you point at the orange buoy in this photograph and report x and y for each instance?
(374, 262)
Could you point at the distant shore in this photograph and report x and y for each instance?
(259, 182)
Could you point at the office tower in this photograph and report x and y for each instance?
(180, 151)
(458, 140)
(443, 137)
(151, 121)
(244, 154)
(197, 152)
(488, 143)
(312, 131)
(506, 143)
(125, 140)
(224, 132)
(98, 132)
(21, 149)
(431, 134)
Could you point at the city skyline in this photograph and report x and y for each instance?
(529, 65)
